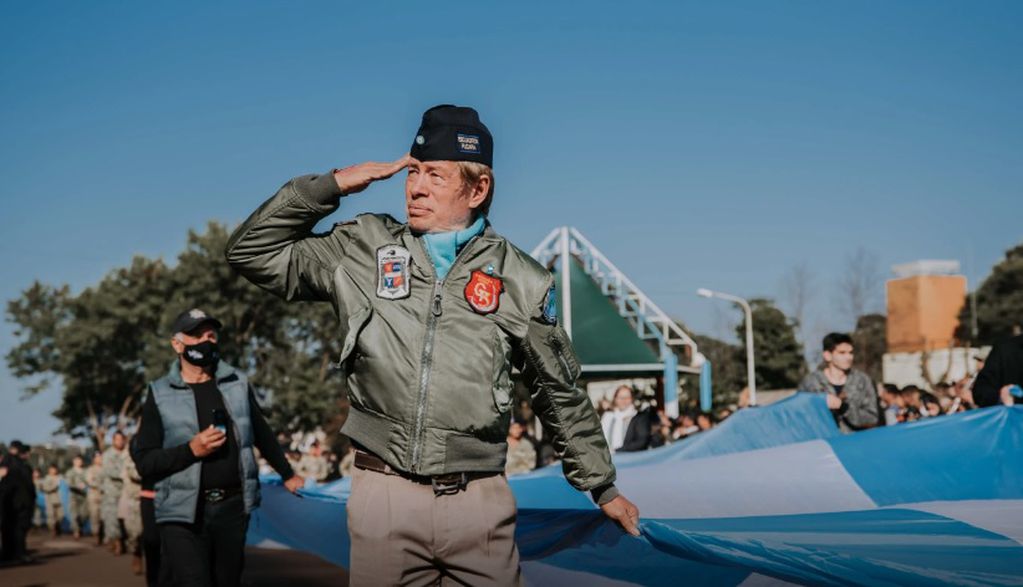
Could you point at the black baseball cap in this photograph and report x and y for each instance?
(189, 320)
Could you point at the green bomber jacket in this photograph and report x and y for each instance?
(428, 362)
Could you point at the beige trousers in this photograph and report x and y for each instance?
(403, 534)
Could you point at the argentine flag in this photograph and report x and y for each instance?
(774, 495)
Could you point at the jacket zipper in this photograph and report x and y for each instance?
(426, 359)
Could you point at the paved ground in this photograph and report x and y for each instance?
(64, 562)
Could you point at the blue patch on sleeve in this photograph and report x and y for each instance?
(550, 307)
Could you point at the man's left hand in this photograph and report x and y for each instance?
(624, 512)
(295, 483)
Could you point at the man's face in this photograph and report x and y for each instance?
(436, 198)
(201, 334)
(77, 462)
(841, 357)
(118, 441)
(97, 459)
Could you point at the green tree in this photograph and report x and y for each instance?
(286, 348)
(93, 343)
(103, 345)
(870, 343)
(728, 374)
(778, 356)
(999, 303)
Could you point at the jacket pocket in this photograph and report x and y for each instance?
(502, 383)
(564, 354)
(350, 334)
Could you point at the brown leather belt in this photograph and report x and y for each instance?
(442, 484)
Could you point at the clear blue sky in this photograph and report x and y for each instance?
(698, 145)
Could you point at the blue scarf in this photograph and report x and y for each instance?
(444, 246)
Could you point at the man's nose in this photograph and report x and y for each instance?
(418, 187)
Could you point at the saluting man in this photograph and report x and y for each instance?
(434, 313)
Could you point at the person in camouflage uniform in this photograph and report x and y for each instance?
(78, 486)
(113, 484)
(521, 452)
(38, 507)
(50, 486)
(313, 465)
(94, 499)
(129, 510)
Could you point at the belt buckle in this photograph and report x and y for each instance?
(442, 485)
(215, 495)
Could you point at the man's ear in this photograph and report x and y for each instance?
(479, 192)
(177, 345)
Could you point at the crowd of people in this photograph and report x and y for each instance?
(103, 503)
(310, 459)
(105, 495)
(634, 424)
(629, 425)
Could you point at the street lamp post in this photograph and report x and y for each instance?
(750, 372)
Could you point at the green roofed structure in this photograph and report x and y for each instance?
(617, 331)
(604, 340)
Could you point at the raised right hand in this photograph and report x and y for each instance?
(356, 178)
(206, 442)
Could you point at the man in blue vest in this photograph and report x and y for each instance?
(200, 423)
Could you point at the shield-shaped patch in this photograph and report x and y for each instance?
(393, 272)
(483, 292)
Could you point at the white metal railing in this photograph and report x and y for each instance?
(649, 321)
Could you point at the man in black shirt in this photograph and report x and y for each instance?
(199, 426)
(1002, 369)
(18, 502)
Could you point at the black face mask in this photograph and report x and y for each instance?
(203, 354)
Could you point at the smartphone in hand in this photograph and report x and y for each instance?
(220, 420)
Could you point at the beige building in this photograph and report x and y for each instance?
(923, 306)
(924, 301)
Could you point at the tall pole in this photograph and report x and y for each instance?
(750, 368)
(750, 371)
(566, 282)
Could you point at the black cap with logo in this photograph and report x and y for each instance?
(192, 319)
(453, 133)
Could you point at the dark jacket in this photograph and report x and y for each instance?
(637, 435)
(17, 490)
(1004, 366)
(170, 419)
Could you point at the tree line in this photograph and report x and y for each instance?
(102, 345)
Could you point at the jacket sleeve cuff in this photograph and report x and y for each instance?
(604, 494)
